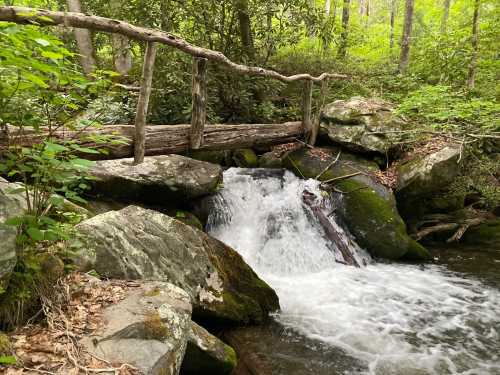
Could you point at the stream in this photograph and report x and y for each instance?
(383, 318)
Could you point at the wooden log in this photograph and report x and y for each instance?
(331, 233)
(143, 103)
(166, 139)
(307, 109)
(41, 17)
(199, 102)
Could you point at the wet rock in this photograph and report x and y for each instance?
(420, 183)
(245, 158)
(367, 207)
(210, 156)
(149, 329)
(11, 205)
(206, 354)
(164, 179)
(136, 243)
(362, 124)
(270, 160)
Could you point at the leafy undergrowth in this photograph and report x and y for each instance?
(73, 310)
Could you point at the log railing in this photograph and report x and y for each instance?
(40, 17)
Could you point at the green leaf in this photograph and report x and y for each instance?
(7, 360)
(14, 221)
(54, 148)
(42, 42)
(82, 163)
(35, 233)
(52, 55)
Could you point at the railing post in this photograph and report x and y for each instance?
(143, 103)
(307, 108)
(199, 102)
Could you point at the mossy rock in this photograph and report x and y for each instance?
(188, 218)
(210, 156)
(417, 252)
(245, 158)
(270, 160)
(206, 354)
(486, 234)
(367, 208)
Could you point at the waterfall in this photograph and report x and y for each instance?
(395, 318)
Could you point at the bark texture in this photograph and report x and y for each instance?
(471, 79)
(199, 102)
(168, 139)
(24, 15)
(143, 103)
(83, 41)
(245, 27)
(345, 29)
(446, 13)
(404, 58)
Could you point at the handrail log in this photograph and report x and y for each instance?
(42, 17)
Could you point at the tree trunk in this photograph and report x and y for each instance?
(328, 6)
(143, 103)
(393, 18)
(345, 29)
(122, 54)
(199, 102)
(405, 41)
(164, 139)
(245, 28)
(471, 80)
(446, 13)
(83, 41)
(362, 5)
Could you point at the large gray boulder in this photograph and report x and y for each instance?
(136, 243)
(367, 207)
(164, 179)
(206, 354)
(421, 181)
(149, 329)
(362, 124)
(11, 205)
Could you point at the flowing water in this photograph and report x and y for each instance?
(390, 318)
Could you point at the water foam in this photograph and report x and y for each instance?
(398, 319)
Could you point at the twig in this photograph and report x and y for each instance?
(304, 143)
(328, 166)
(341, 177)
(295, 166)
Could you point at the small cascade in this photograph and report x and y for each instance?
(394, 318)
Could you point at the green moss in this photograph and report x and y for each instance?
(154, 328)
(5, 345)
(245, 158)
(214, 157)
(417, 252)
(373, 220)
(197, 361)
(153, 292)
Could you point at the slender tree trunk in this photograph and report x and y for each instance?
(83, 40)
(471, 80)
(122, 54)
(245, 27)
(362, 5)
(393, 18)
(328, 5)
(405, 41)
(334, 16)
(446, 13)
(345, 29)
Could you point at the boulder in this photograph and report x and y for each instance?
(164, 179)
(362, 124)
(149, 329)
(245, 158)
(211, 156)
(421, 181)
(366, 207)
(11, 205)
(270, 160)
(206, 354)
(136, 243)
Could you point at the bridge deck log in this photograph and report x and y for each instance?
(167, 139)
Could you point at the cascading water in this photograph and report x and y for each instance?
(394, 318)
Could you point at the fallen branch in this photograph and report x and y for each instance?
(341, 177)
(43, 17)
(329, 166)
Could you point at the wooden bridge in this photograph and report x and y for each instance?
(162, 139)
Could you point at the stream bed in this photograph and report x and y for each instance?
(384, 318)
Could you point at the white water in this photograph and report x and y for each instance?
(396, 319)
